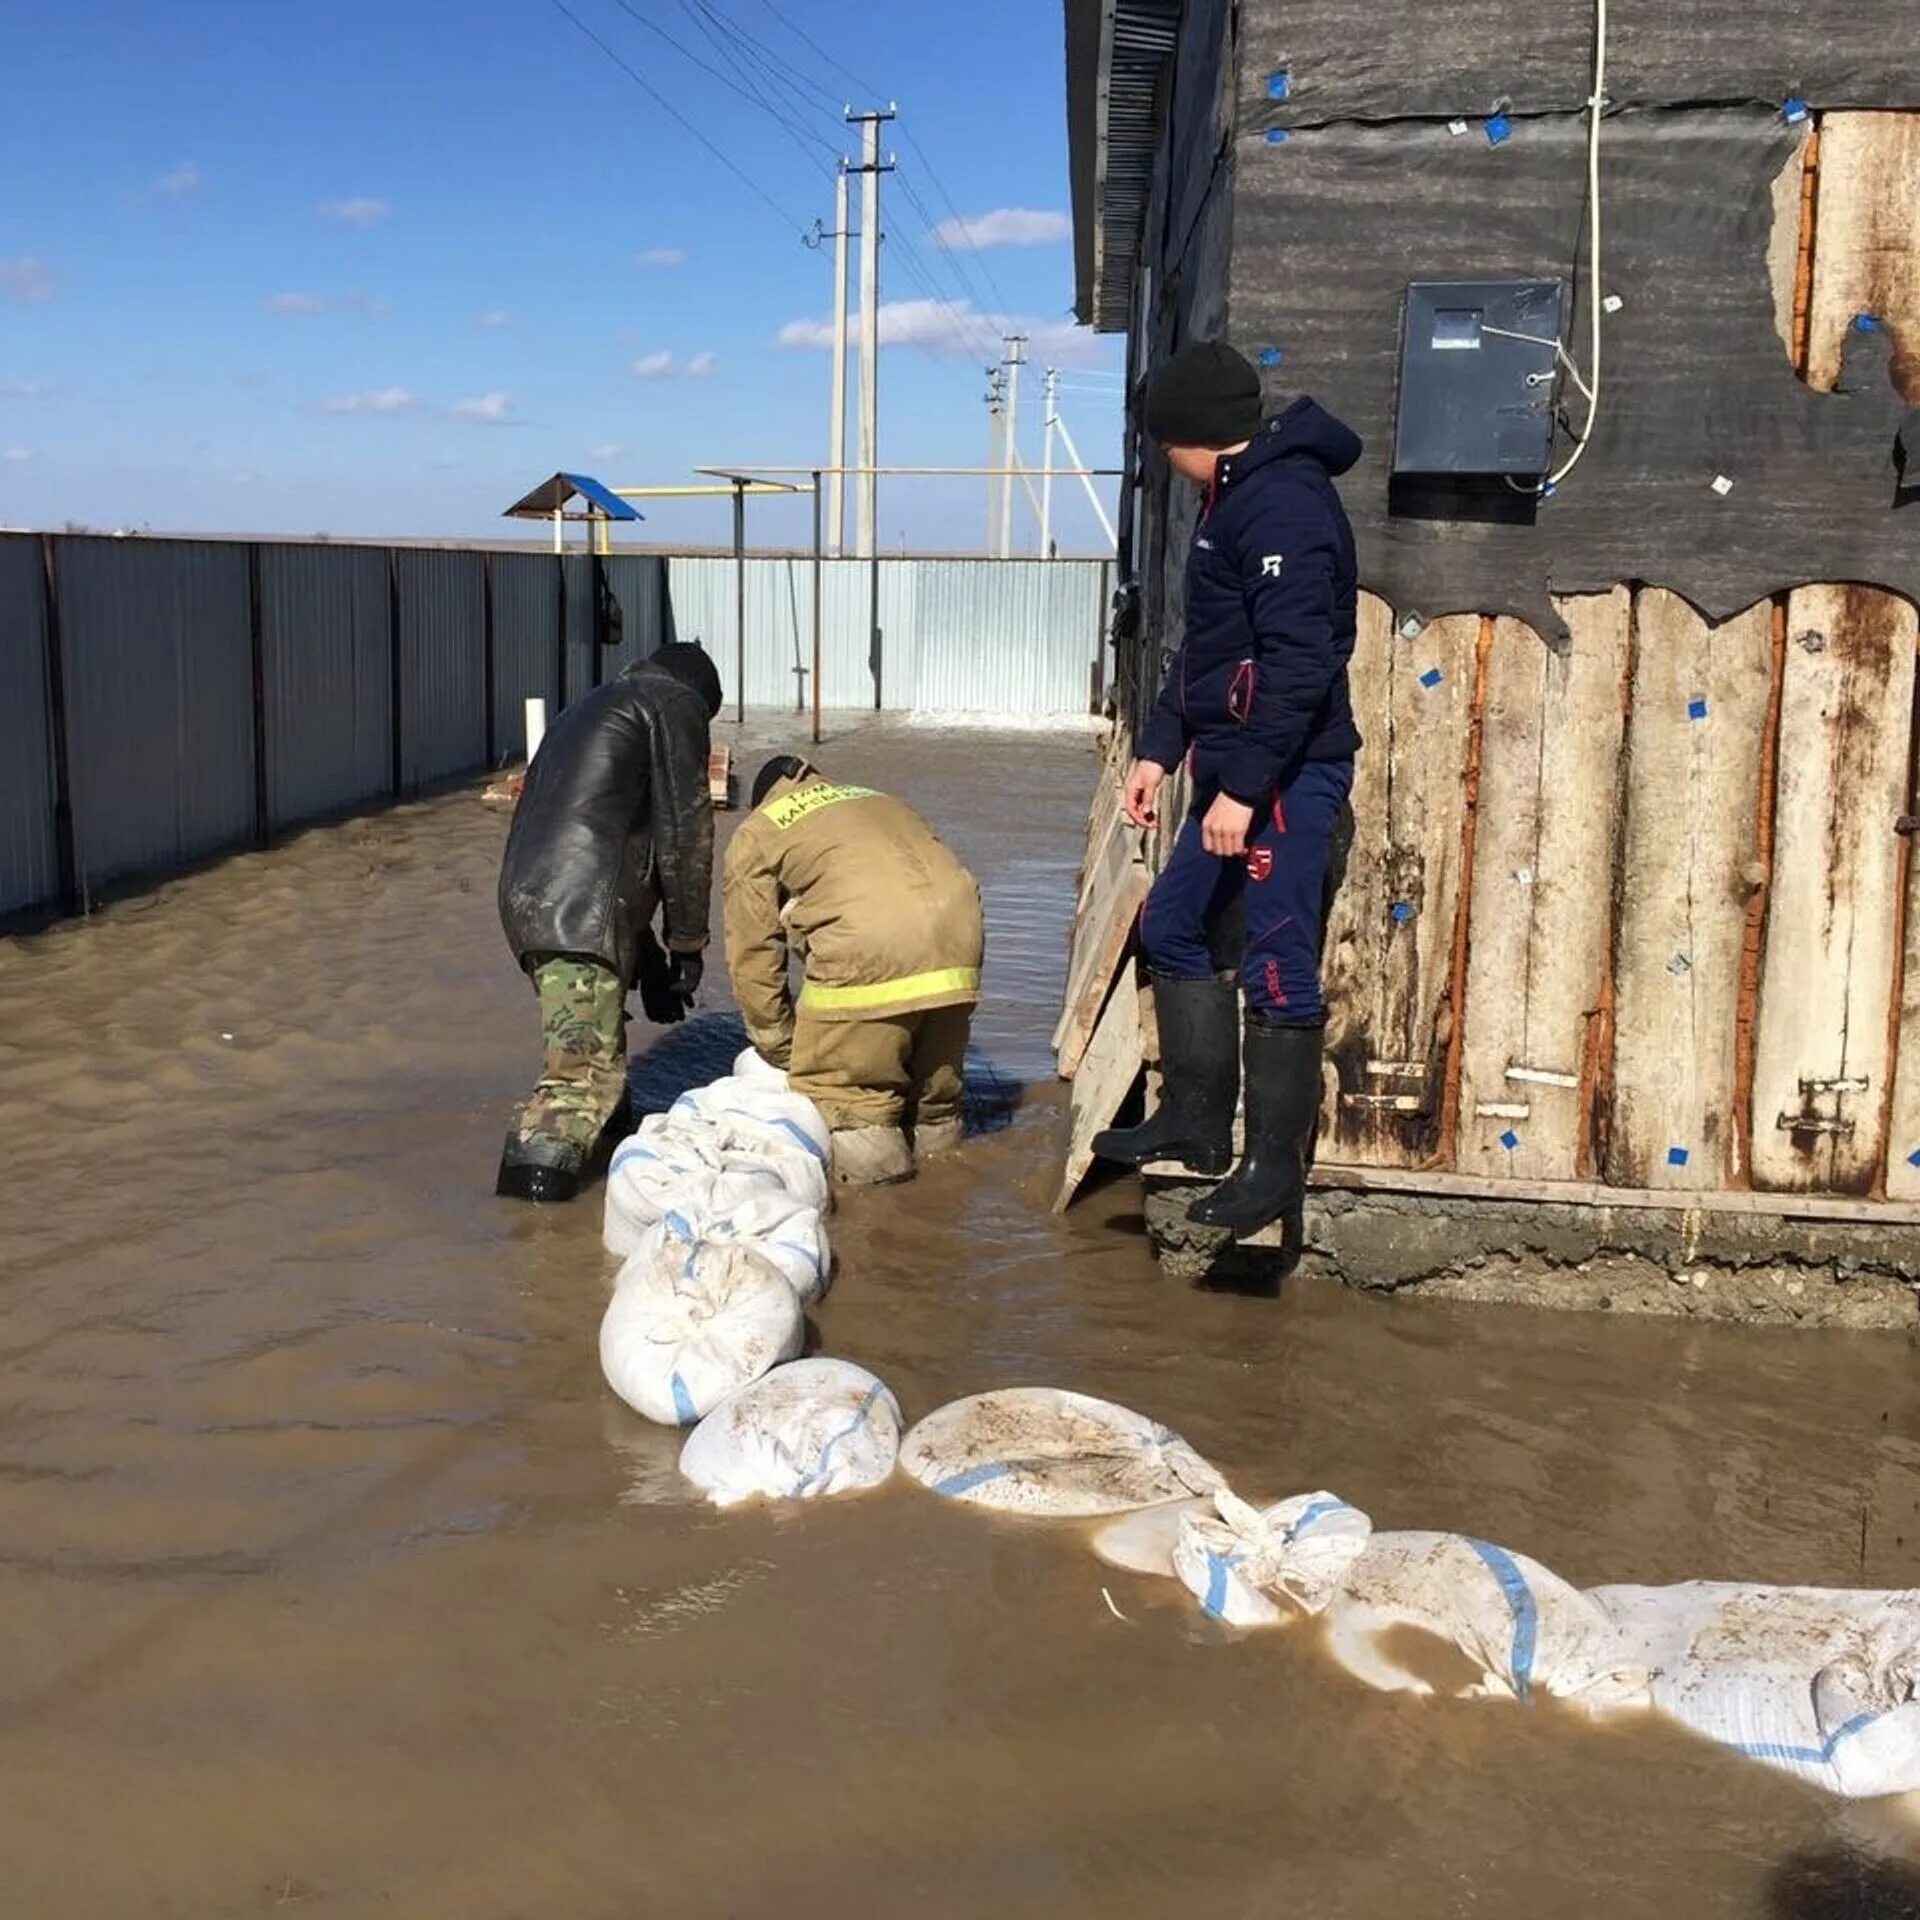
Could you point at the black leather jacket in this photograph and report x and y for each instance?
(614, 820)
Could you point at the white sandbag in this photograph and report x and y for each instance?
(1042, 1450)
(1143, 1541)
(1522, 1629)
(750, 1067)
(689, 1325)
(804, 1432)
(749, 1206)
(657, 1171)
(1816, 1682)
(1254, 1569)
(750, 1113)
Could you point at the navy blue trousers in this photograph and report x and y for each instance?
(1280, 883)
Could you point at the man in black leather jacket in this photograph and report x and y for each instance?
(614, 825)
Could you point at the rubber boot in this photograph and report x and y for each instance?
(1283, 1112)
(1199, 1081)
(540, 1169)
(937, 1136)
(871, 1156)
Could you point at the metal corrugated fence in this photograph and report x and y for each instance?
(162, 700)
(956, 636)
(29, 870)
(327, 667)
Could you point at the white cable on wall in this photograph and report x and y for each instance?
(1596, 297)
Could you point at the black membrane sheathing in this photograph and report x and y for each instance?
(1330, 226)
(1393, 60)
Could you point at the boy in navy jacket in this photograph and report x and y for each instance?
(1256, 701)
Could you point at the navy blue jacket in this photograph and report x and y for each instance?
(1260, 684)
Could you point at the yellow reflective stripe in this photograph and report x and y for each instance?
(892, 993)
(791, 808)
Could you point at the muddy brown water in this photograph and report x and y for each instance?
(333, 1581)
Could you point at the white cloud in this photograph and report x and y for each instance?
(702, 364)
(183, 179)
(17, 456)
(653, 366)
(26, 278)
(1005, 227)
(22, 390)
(380, 400)
(361, 212)
(295, 303)
(661, 257)
(485, 410)
(369, 303)
(956, 330)
(494, 319)
(610, 450)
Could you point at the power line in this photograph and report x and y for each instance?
(673, 113)
(939, 186)
(800, 33)
(782, 118)
(776, 68)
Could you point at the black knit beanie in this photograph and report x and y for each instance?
(692, 665)
(783, 766)
(1206, 395)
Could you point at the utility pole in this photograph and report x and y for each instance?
(1015, 359)
(996, 400)
(870, 169)
(1046, 465)
(837, 439)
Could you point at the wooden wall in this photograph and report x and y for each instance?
(1638, 913)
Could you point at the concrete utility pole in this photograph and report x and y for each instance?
(1046, 465)
(996, 400)
(1016, 358)
(870, 169)
(837, 439)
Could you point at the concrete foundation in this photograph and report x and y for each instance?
(1709, 1266)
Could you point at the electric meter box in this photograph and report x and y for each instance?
(1479, 361)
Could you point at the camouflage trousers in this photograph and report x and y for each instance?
(583, 1024)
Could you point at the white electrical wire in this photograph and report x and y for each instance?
(1595, 301)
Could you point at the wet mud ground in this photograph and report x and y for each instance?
(334, 1582)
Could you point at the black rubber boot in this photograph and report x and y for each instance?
(540, 1169)
(1283, 1113)
(1199, 1081)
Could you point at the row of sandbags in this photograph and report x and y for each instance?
(717, 1208)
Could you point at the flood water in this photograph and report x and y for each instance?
(333, 1581)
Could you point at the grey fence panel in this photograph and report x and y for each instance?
(577, 570)
(526, 644)
(442, 639)
(326, 656)
(1004, 637)
(637, 583)
(29, 861)
(156, 645)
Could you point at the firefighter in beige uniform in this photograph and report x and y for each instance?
(888, 927)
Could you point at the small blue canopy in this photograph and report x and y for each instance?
(551, 497)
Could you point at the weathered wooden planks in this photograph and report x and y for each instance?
(1540, 910)
(1866, 257)
(1101, 821)
(1108, 1069)
(1390, 937)
(1821, 1038)
(1111, 894)
(1689, 868)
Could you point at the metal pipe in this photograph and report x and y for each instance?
(816, 609)
(740, 601)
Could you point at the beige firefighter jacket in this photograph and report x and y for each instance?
(857, 885)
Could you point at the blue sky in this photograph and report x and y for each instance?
(375, 269)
